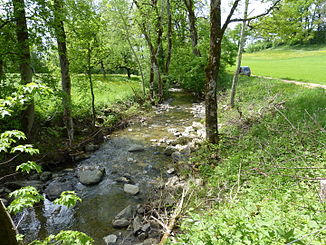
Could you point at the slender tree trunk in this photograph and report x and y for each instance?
(151, 80)
(103, 69)
(192, 24)
(169, 37)
(64, 65)
(89, 74)
(239, 58)
(26, 71)
(128, 72)
(211, 71)
(133, 51)
(2, 72)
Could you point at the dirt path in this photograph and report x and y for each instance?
(308, 85)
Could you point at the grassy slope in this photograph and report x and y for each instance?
(274, 145)
(303, 64)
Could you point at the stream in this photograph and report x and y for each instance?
(145, 168)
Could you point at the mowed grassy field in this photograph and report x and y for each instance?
(307, 64)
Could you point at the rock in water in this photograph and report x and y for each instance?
(120, 223)
(90, 175)
(110, 239)
(136, 148)
(131, 189)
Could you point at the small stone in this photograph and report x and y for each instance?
(140, 210)
(110, 239)
(170, 171)
(146, 227)
(131, 189)
(142, 236)
(150, 241)
(123, 180)
(136, 148)
(136, 225)
(120, 223)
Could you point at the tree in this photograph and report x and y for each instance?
(153, 35)
(192, 26)
(26, 71)
(64, 65)
(239, 57)
(214, 61)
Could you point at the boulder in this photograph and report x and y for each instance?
(55, 188)
(110, 239)
(90, 175)
(137, 225)
(136, 148)
(131, 189)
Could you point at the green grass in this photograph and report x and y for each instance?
(108, 91)
(301, 63)
(261, 181)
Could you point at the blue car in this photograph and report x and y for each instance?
(245, 70)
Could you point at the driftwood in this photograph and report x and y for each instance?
(175, 215)
(8, 229)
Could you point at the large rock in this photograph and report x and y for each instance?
(110, 239)
(90, 175)
(131, 189)
(55, 188)
(136, 148)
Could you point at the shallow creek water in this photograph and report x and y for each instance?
(103, 201)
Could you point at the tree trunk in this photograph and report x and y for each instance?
(151, 81)
(24, 55)
(8, 230)
(2, 72)
(103, 69)
(239, 58)
(192, 25)
(89, 74)
(128, 72)
(211, 71)
(64, 65)
(133, 51)
(169, 37)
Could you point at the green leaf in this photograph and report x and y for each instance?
(68, 198)
(28, 166)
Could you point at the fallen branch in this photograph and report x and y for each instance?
(174, 217)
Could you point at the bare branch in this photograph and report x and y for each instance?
(257, 16)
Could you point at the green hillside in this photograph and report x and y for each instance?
(306, 64)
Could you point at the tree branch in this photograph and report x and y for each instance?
(228, 19)
(257, 16)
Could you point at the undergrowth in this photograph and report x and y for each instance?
(262, 181)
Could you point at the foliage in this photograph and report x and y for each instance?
(66, 238)
(68, 199)
(261, 180)
(28, 166)
(24, 197)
